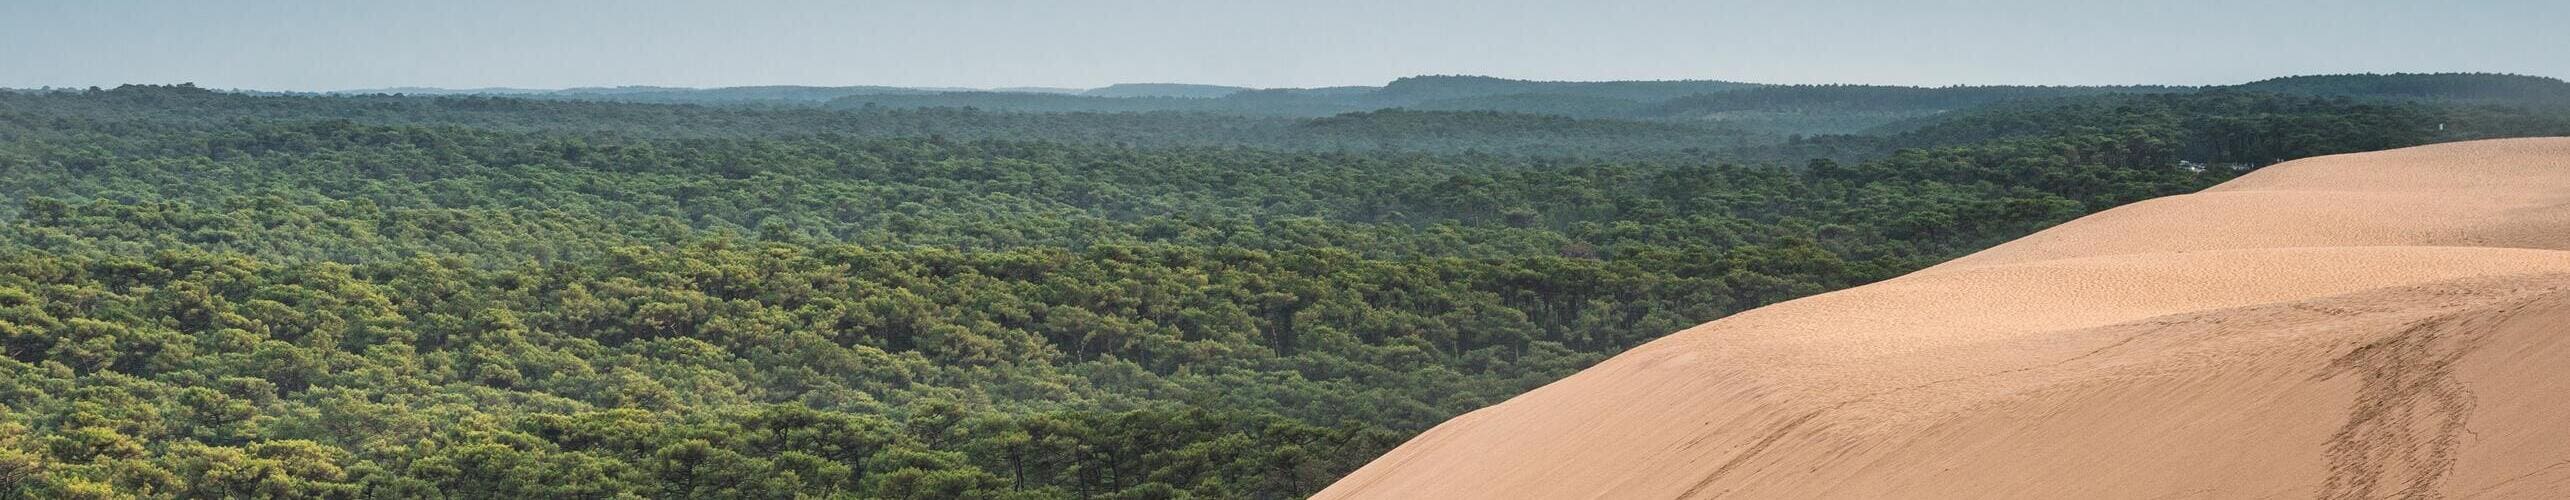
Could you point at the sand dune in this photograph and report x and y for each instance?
(2385, 324)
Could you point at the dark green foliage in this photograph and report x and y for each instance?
(2224, 127)
(1813, 98)
(129, 108)
(1840, 109)
(215, 295)
(1763, 111)
(1576, 106)
(2469, 87)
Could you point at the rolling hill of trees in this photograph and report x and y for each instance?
(1774, 111)
(1163, 90)
(1390, 130)
(224, 295)
(2464, 87)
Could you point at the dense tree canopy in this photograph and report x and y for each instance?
(219, 295)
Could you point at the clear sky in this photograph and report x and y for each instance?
(344, 44)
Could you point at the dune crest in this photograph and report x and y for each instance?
(2355, 326)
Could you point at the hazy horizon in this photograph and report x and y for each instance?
(302, 45)
(1070, 89)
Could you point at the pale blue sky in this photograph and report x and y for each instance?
(340, 44)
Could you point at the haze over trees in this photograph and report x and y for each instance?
(923, 294)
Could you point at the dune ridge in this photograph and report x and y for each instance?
(2354, 326)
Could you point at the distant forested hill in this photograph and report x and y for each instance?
(1446, 93)
(1423, 88)
(1824, 109)
(1406, 131)
(1163, 90)
(1772, 110)
(2465, 87)
(775, 94)
(1759, 109)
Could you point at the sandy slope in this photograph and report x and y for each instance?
(2358, 326)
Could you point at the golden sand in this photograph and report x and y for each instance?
(2355, 326)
